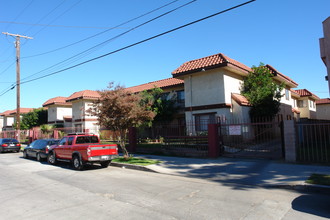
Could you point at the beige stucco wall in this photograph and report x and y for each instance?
(1, 123)
(87, 121)
(323, 111)
(308, 111)
(284, 100)
(211, 87)
(240, 113)
(56, 113)
(204, 88)
(8, 121)
(232, 84)
(325, 46)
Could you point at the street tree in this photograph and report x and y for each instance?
(262, 92)
(163, 107)
(34, 118)
(118, 110)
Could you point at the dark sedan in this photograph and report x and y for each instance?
(9, 144)
(39, 148)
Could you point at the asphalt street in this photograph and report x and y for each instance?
(34, 190)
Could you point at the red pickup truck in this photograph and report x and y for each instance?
(81, 149)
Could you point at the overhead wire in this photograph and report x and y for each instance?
(90, 50)
(19, 14)
(46, 15)
(72, 6)
(53, 25)
(102, 32)
(140, 42)
(134, 44)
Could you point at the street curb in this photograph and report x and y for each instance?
(132, 166)
(307, 188)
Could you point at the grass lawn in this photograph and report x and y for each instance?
(320, 179)
(136, 161)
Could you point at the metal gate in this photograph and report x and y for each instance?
(252, 140)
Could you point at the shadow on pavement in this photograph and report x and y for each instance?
(314, 204)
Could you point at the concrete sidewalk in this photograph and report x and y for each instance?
(240, 172)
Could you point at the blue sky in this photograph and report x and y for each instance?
(282, 33)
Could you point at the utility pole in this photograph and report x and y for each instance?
(18, 81)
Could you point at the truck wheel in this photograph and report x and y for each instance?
(51, 158)
(77, 163)
(105, 164)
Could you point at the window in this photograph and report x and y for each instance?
(287, 94)
(164, 95)
(303, 103)
(87, 139)
(180, 96)
(62, 141)
(70, 140)
(203, 120)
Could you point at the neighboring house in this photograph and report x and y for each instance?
(295, 97)
(212, 89)
(9, 117)
(81, 102)
(1, 122)
(59, 111)
(306, 103)
(323, 109)
(325, 47)
(172, 89)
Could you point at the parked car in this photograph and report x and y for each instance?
(80, 149)
(39, 148)
(9, 144)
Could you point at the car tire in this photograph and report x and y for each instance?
(77, 163)
(38, 157)
(25, 155)
(51, 159)
(1, 150)
(105, 164)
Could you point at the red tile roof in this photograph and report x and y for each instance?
(164, 83)
(13, 112)
(240, 99)
(210, 62)
(6, 113)
(293, 92)
(22, 111)
(277, 73)
(56, 101)
(323, 101)
(85, 94)
(306, 93)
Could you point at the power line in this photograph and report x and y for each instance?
(24, 9)
(140, 42)
(60, 26)
(95, 35)
(90, 50)
(8, 67)
(46, 15)
(72, 6)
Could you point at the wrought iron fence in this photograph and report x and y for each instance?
(313, 141)
(172, 139)
(254, 140)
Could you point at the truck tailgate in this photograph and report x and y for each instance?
(103, 149)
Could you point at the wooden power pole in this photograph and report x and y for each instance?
(18, 81)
